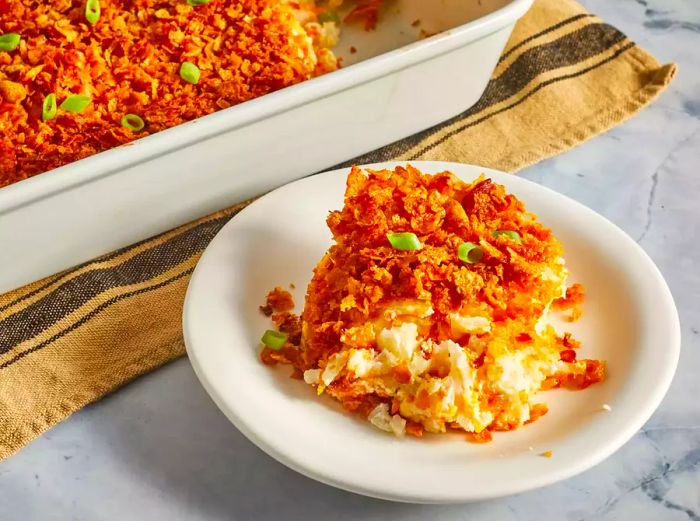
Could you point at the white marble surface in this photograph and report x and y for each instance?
(159, 449)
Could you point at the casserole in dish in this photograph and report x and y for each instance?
(76, 82)
(389, 88)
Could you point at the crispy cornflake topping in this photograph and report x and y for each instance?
(126, 57)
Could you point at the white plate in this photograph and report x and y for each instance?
(629, 320)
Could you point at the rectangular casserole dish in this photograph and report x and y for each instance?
(55, 220)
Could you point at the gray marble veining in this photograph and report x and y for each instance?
(159, 449)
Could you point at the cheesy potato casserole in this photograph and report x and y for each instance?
(428, 311)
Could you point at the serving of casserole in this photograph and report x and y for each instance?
(428, 312)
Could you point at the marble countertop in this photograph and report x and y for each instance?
(159, 448)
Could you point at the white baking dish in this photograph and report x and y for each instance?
(71, 214)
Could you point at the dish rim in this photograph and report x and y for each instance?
(617, 440)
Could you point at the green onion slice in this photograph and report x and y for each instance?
(198, 2)
(515, 236)
(92, 11)
(133, 122)
(469, 252)
(404, 241)
(274, 339)
(328, 16)
(48, 107)
(9, 41)
(75, 103)
(189, 72)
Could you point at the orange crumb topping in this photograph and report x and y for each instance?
(572, 301)
(280, 299)
(128, 62)
(484, 436)
(444, 212)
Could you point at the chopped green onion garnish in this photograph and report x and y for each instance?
(9, 41)
(48, 107)
(508, 233)
(75, 103)
(470, 253)
(132, 122)
(328, 16)
(189, 72)
(92, 11)
(198, 2)
(405, 241)
(274, 339)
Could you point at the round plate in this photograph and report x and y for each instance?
(629, 320)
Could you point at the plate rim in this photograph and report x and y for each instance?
(584, 463)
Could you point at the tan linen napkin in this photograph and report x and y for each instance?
(68, 340)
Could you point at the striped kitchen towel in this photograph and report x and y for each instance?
(68, 340)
